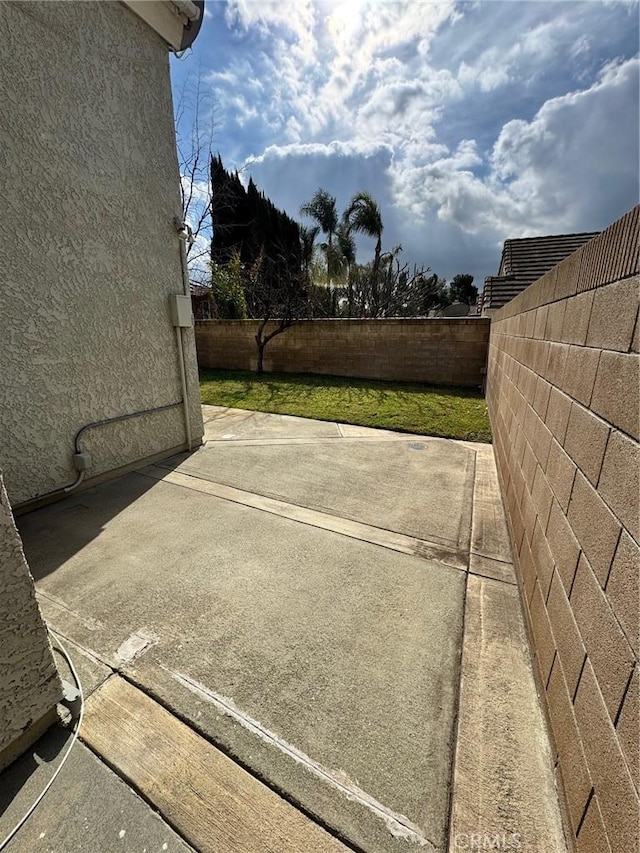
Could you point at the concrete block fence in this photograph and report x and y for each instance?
(442, 352)
(563, 391)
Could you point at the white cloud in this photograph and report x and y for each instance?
(525, 57)
(297, 18)
(579, 154)
(338, 148)
(456, 116)
(567, 169)
(321, 60)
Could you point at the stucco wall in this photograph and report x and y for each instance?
(29, 683)
(88, 255)
(447, 352)
(563, 390)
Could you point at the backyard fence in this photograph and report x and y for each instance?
(563, 395)
(439, 351)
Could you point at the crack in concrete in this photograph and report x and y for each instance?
(398, 825)
(89, 622)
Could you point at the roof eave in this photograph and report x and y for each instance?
(177, 23)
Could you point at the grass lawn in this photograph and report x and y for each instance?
(424, 409)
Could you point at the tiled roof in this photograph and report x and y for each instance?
(498, 290)
(526, 259)
(199, 289)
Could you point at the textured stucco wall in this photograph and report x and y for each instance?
(445, 352)
(29, 683)
(88, 253)
(563, 390)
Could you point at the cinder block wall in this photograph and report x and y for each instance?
(448, 351)
(563, 394)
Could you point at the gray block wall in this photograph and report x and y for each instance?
(563, 391)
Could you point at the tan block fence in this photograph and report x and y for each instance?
(563, 395)
(563, 391)
(443, 352)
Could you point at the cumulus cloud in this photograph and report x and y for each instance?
(577, 157)
(565, 170)
(318, 149)
(469, 122)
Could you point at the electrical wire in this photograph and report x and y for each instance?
(74, 737)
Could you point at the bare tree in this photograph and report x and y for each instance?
(397, 290)
(195, 128)
(281, 300)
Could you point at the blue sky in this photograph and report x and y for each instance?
(469, 122)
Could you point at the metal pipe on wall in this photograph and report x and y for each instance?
(184, 234)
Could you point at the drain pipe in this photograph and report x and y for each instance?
(182, 315)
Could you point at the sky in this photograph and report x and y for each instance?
(469, 122)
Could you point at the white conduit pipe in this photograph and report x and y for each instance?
(183, 382)
(183, 234)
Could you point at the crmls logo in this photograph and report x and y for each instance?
(487, 841)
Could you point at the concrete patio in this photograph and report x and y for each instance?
(334, 608)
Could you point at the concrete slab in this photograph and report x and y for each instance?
(450, 556)
(503, 788)
(215, 805)
(344, 651)
(221, 423)
(295, 616)
(353, 431)
(490, 537)
(421, 488)
(88, 807)
(91, 672)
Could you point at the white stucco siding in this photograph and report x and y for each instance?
(29, 683)
(88, 252)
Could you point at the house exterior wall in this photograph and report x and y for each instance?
(89, 255)
(443, 352)
(29, 683)
(563, 391)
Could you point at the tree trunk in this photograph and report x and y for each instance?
(375, 290)
(261, 343)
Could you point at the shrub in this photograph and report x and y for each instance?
(227, 291)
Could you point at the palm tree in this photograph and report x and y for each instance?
(363, 216)
(307, 240)
(322, 208)
(347, 246)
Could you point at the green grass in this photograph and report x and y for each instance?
(423, 409)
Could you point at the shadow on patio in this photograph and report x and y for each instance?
(333, 607)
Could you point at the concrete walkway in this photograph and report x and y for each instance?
(334, 608)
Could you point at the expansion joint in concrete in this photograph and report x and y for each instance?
(432, 551)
